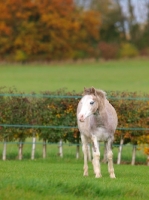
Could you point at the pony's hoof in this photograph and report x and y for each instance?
(112, 176)
(85, 174)
(98, 176)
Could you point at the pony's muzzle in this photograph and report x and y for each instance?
(81, 118)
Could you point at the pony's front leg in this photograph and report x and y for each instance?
(85, 152)
(96, 158)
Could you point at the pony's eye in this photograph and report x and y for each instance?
(92, 102)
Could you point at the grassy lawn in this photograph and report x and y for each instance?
(56, 178)
(122, 75)
(61, 179)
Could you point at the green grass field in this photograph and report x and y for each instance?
(61, 179)
(58, 178)
(122, 75)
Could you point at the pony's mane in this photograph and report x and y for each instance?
(95, 92)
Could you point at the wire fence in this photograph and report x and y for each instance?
(67, 97)
(30, 126)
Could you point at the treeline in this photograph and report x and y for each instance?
(46, 30)
(65, 29)
(58, 109)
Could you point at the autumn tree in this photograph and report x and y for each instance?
(54, 29)
(20, 35)
(110, 19)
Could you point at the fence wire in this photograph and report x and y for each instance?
(65, 127)
(70, 97)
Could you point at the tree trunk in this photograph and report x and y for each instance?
(121, 18)
(133, 155)
(44, 150)
(131, 12)
(4, 150)
(20, 154)
(60, 147)
(33, 147)
(147, 6)
(120, 151)
(77, 151)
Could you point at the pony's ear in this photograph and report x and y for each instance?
(100, 93)
(86, 91)
(93, 90)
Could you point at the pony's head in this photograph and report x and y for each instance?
(93, 101)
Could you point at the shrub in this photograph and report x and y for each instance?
(20, 56)
(128, 50)
(144, 52)
(108, 51)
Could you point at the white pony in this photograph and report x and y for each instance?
(97, 121)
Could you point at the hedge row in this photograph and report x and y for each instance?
(53, 108)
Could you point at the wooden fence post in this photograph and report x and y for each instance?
(60, 147)
(120, 150)
(4, 150)
(77, 151)
(133, 155)
(33, 146)
(44, 149)
(20, 153)
(148, 160)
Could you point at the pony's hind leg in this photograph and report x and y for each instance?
(110, 159)
(105, 160)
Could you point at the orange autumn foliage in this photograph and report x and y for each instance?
(146, 150)
(39, 30)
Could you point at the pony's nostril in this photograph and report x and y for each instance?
(81, 118)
